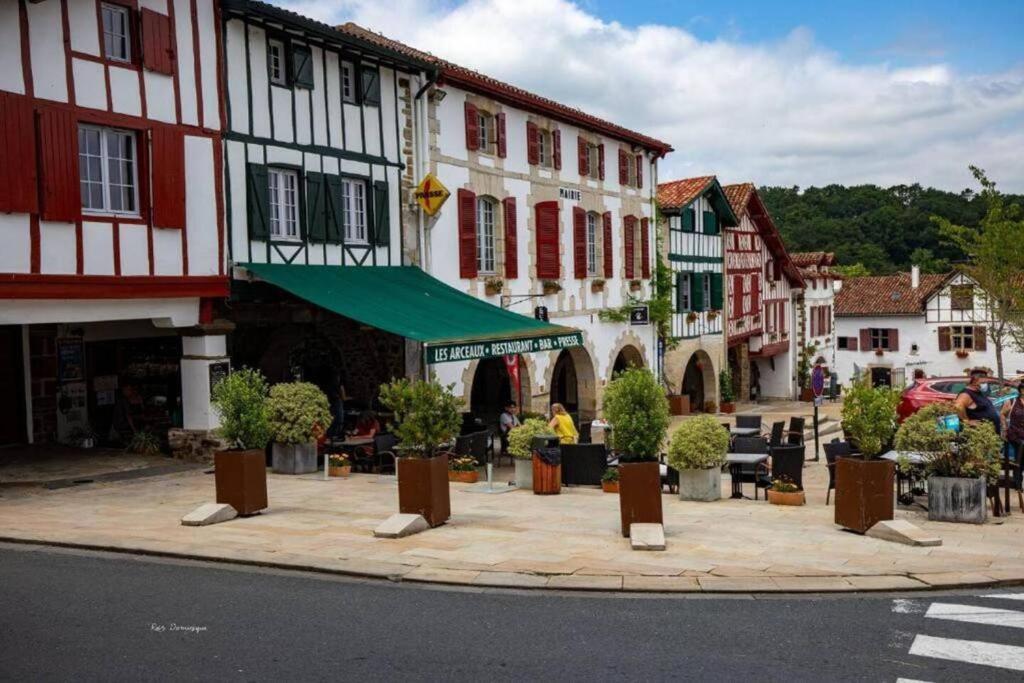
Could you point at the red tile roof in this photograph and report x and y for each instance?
(478, 82)
(805, 259)
(745, 199)
(678, 194)
(739, 194)
(885, 295)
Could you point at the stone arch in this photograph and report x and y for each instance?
(629, 347)
(699, 380)
(487, 386)
(572, 381)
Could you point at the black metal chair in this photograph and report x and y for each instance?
(479, 443)
(834, 449)
(378, 457)
(670, 478)
(788, 464)
(583, 464)
(585, 432)
(758, 475)
(463, 445)
(775, 439)
(795, 433)
(748, 421)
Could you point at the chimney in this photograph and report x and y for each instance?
(915, 277)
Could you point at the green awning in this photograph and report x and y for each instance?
(405, 301)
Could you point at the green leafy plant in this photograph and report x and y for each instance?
(463, 463)
(144, 443)
(803, 365)
(427, 414)
(725, 386)
(551, 286)
(869, 416)
(699, 443)
(298, 412)
(636, 407)
(519, 438)
(920, 432)
(784, 484)
(241, 399)
(610, 474)
(494, 283)
(710, 407)
(659, 307)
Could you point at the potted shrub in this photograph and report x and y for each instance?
(551, 286)
(697, 451)
(691, 317)
(240, 472)
(596, 285)
(144, 442)
(635, 285)
(725, 391)
(463, 469)
(712, 315)
(958, 465)
(864, 485)
(610, 480)
(784, 492)
(493, 285)
(710, 407)
(297, 412)
(427, 415)
(338, 465)
(519, 440)
(636, 408)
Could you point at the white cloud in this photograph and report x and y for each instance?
(787, 112)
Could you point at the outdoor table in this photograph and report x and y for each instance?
(736, 462)
(744, 431)
(916, 461)
(354, 441)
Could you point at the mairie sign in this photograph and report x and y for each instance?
(450, 353)
(431, 194)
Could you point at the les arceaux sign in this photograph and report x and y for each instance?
(431, 194)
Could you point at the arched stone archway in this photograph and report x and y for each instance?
(699, 380)
(492, 388)
(629, 356)
(574, 383)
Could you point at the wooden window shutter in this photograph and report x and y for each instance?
(689, 218)
(628, 239)
(755, 294)
(302, 72)
(579, 242)
(851, 343)
(710, 223)
(945, 338)
(581, 152)
(606, 245)
(381, 214)
(777, 270)
(716, 291)
(472, 128)
(369, 81)
(813, 321)
(600, 161)
(316, 207)
(169, 178)
(894, 339)
(980, 342)
(556, 149)
(532, 143)
(697, 292)
(467, 233)
(511, 239)
(158, 45)
(258, 194)
(645, 248)
(865, 339)
(623, 167)
(680, 285)
(500, 120)
(737, 296)
(58, 163)
(548, 261)
(332, 201)
(18, 179)
(639, 170)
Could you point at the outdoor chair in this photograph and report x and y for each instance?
(463, 445)
(377, 457)
(748, 421)
(583, 464)
(776, 437)
(670, 478)
(1010, 473)
(795, 433)
(833, 450)
(479, 443)
(758, 475)
(788, 463)
(585, 432)
(499, 446)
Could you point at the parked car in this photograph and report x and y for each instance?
(935, 389)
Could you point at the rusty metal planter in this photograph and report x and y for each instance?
(639, 494)
(241, 480)
(423, 488)
(864, 492)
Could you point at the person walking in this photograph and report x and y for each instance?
(563, 425)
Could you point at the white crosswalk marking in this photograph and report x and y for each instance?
(970, 651)
(989, 616)
(1006, 596)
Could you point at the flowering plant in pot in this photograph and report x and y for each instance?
(597, 285)
(697, 451)
(784, 492)
(493, 285)
(551, 286)
(240, 471)
(297, 413)
(427, 416)
(635, 285)
(610, 480)
(339, 465)
(637, 410)
(519, 440)
(463, 469)
(726, 392)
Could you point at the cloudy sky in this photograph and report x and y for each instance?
(791, 93)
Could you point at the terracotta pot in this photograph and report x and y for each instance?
(423, 488)
(864, 492)
(596, 288)
(679, 405)
(547, 479)
(463, 476)
(728, 407)
(241, 480)
(491, 291)
(782, 498)
(807, 394)
(639, 494)
(339, 471)
(610, 486)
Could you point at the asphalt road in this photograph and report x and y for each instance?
(87, 616)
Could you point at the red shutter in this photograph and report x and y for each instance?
(606, 245)
(629, 230)
(548, 265)
(600, 161)
(894, 340)
(58, 164)
(980, 342)
(579, 241)
(945, 339)
(532, 146)
(812, 320)
(865, 339)
(639, 170)
(737, 296)
(645, 245)
(755, 293)
(502, 150)
(169, 181)
(472, 127)
(556, 149)
(851, 343)
(581, 151)
(157, 42)
(467, 234)
(623, 167)
(511, 240)
(18, 180)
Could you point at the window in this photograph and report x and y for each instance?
(284, 203)
(353, 207)
(843, 343)
(683, 293)
(116, 36)
(369, 82)
(707, 290)
(593, 230)
(962, 337)
(961, 297)
(348, 82)
(485, 211)
(879, 338)
(276, 62)
(544, 148)
(485, 126)
(107, 170)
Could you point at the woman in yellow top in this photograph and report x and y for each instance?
(561, 422)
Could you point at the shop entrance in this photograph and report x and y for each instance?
(493, 389)
(629, 357)
(12, 390)
(573, 384)
(881, 377)
(698, 381)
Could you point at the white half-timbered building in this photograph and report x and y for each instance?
(815, 308)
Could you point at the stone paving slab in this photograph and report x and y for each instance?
(518, 540)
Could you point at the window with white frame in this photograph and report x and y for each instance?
(277, 62)
(962, 337)
(707, 290)
(485, 131)
(593, 230)
(284, 203)
(353, 207)
(486, 208)
(108, 170)
(117, 40)
(683, 292)
(348, 82)
(544, 148)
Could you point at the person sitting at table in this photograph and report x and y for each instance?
(971, 404)
(1013, 419)
(367, 424)
(509, 419)
(561, 422)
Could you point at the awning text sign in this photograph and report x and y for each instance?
(451, 353)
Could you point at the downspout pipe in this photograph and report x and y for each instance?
(421, 143)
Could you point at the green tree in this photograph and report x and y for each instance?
(855, 270)
(926, 260)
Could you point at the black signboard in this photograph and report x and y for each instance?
(640, 315)
(541, 313)
(218, 371)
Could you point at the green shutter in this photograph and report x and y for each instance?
(258, 195)
(302, 66)
(316, 207)
(697, 292)
(688, 219)
(332, 205)
(370, 85)
(710, 223)
(381, 213)
(716, 291)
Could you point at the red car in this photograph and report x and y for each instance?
(936, 389)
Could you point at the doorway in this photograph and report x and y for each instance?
(698, 381)
(629, 357)
(573, 384)
(881, 377)
(12, 389)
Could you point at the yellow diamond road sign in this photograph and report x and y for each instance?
(431, 194)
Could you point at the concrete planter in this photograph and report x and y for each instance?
(294, 458)
(703, 485)
(957, 499)
(524, 473)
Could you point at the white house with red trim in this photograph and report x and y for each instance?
(815, 308)
(110, 213)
